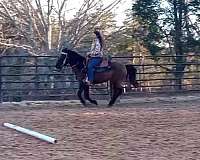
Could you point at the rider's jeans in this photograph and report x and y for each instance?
(94, 61)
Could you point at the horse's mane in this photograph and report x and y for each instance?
(76, 58)
(75, 55)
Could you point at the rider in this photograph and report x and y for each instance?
(95, 55)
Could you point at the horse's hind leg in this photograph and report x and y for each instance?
(116, 93)
(87, 96)
(79, 93)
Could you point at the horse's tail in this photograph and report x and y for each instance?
(131, 75)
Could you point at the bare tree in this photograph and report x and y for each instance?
(39, 26)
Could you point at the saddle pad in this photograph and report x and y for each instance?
(104, 62)
(102, 69)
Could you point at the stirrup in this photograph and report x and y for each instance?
(88, 82)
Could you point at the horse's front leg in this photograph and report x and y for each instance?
(116, 93)
(79, 93)
(87, 95)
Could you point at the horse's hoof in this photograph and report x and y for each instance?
(95, 102)
(83, 103)
(110, 105)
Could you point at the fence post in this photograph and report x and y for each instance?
(36, 75)
(0, 81)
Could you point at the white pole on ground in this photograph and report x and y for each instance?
(29, 132)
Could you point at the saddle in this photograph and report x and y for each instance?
(104, 66)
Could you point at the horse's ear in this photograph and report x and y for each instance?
(64, 50)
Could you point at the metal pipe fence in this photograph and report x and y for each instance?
(34, 78)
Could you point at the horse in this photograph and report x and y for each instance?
(117, 74)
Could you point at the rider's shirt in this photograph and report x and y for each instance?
(96, 50)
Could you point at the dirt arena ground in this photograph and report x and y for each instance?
(149, 130)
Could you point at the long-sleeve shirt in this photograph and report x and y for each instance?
(96, 49)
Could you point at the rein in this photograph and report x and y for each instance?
(80, 75)
(75, 65)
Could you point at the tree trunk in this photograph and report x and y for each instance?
(49, 34)
(178, 11)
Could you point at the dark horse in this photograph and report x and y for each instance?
(117, 74)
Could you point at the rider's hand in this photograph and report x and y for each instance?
(88, 54)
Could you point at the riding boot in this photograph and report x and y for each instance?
(88, 82)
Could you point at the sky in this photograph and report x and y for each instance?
(119, 11)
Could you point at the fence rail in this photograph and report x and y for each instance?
(33, 77)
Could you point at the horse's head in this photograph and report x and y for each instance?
(63, 59)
